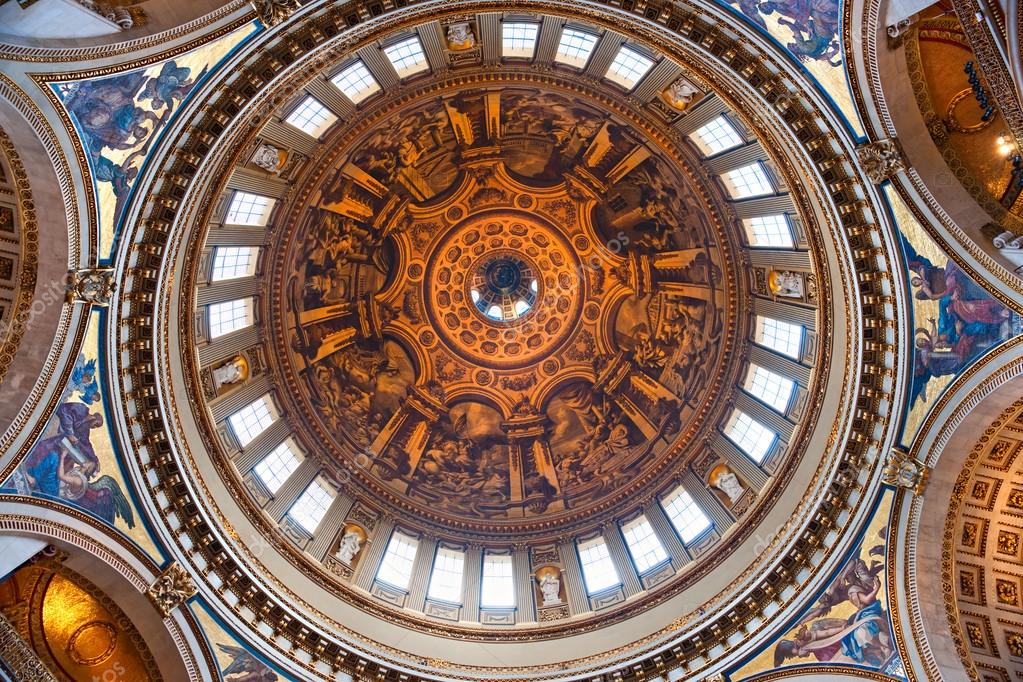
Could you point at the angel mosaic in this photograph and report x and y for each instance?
(244, 667)
(862, 638)
(120, 114)
(969, 320)
(815, 26)
(64, 464)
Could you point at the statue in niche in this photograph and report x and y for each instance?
(727, 482)
(268, 157)
(785, 283)
(680, 94)
(550, 585)
(460, 36)
(231, 372)
(351, 542)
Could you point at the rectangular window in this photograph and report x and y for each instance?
(771, 388)
(748, 181)
(498, 587)
(749, 435)
(716, 136)
(685, 515)
(644, 545)
(628, 67)
(407, 57)
(311, 117)
(312, 505)
(575, 47)
(252, 420)
(249, 209)
(783, 337)
(231, 262)
(356, 82)
(769, 231)
(599, 571)
(518, 39)
(229, 316)
(396, 566)
(446, 578)
(274, 469)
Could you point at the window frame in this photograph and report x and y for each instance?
(607, 567)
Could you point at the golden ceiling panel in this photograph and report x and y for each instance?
(73, 627)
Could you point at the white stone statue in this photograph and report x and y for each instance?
(268, 157)
(550, 588)
(785, 283)
(460, 36)
(680, 94)
(728, 483)
(231, 372)
(349, 547)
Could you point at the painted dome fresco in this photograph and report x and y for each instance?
(608, 341)
(503, 306)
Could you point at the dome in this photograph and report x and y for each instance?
(407, 340)
(528, 353)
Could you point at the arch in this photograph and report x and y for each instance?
(48, 218)
(888, 108)
(923, 558)
(124, 573)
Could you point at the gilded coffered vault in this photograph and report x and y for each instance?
(532, 340)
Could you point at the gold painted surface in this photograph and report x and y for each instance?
(943, 52)
(76, 630)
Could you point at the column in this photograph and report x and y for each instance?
(489, 25)
(768, 359)
(292, 488)
(707, 110)
(433, 45)
(224, 406)
(780, 260)
(739, 462)
(761, 206)
(334, 520)
(226, 290)
(735, 158)
(421, 570)
(236, 235)
(604, 53)
(660, 77)
(288, 136)
(622, 560)
(253, 453)
(473, 577)
(227, 346)
(524, 593)
(785, 312)
(708, 502)
(257, 182)
(547, 41)
(381, 68)
(374, 552)
(667, 535)
(572, 574)
(328, 95)
(765, 415)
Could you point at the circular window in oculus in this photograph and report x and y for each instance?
(504, 288)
